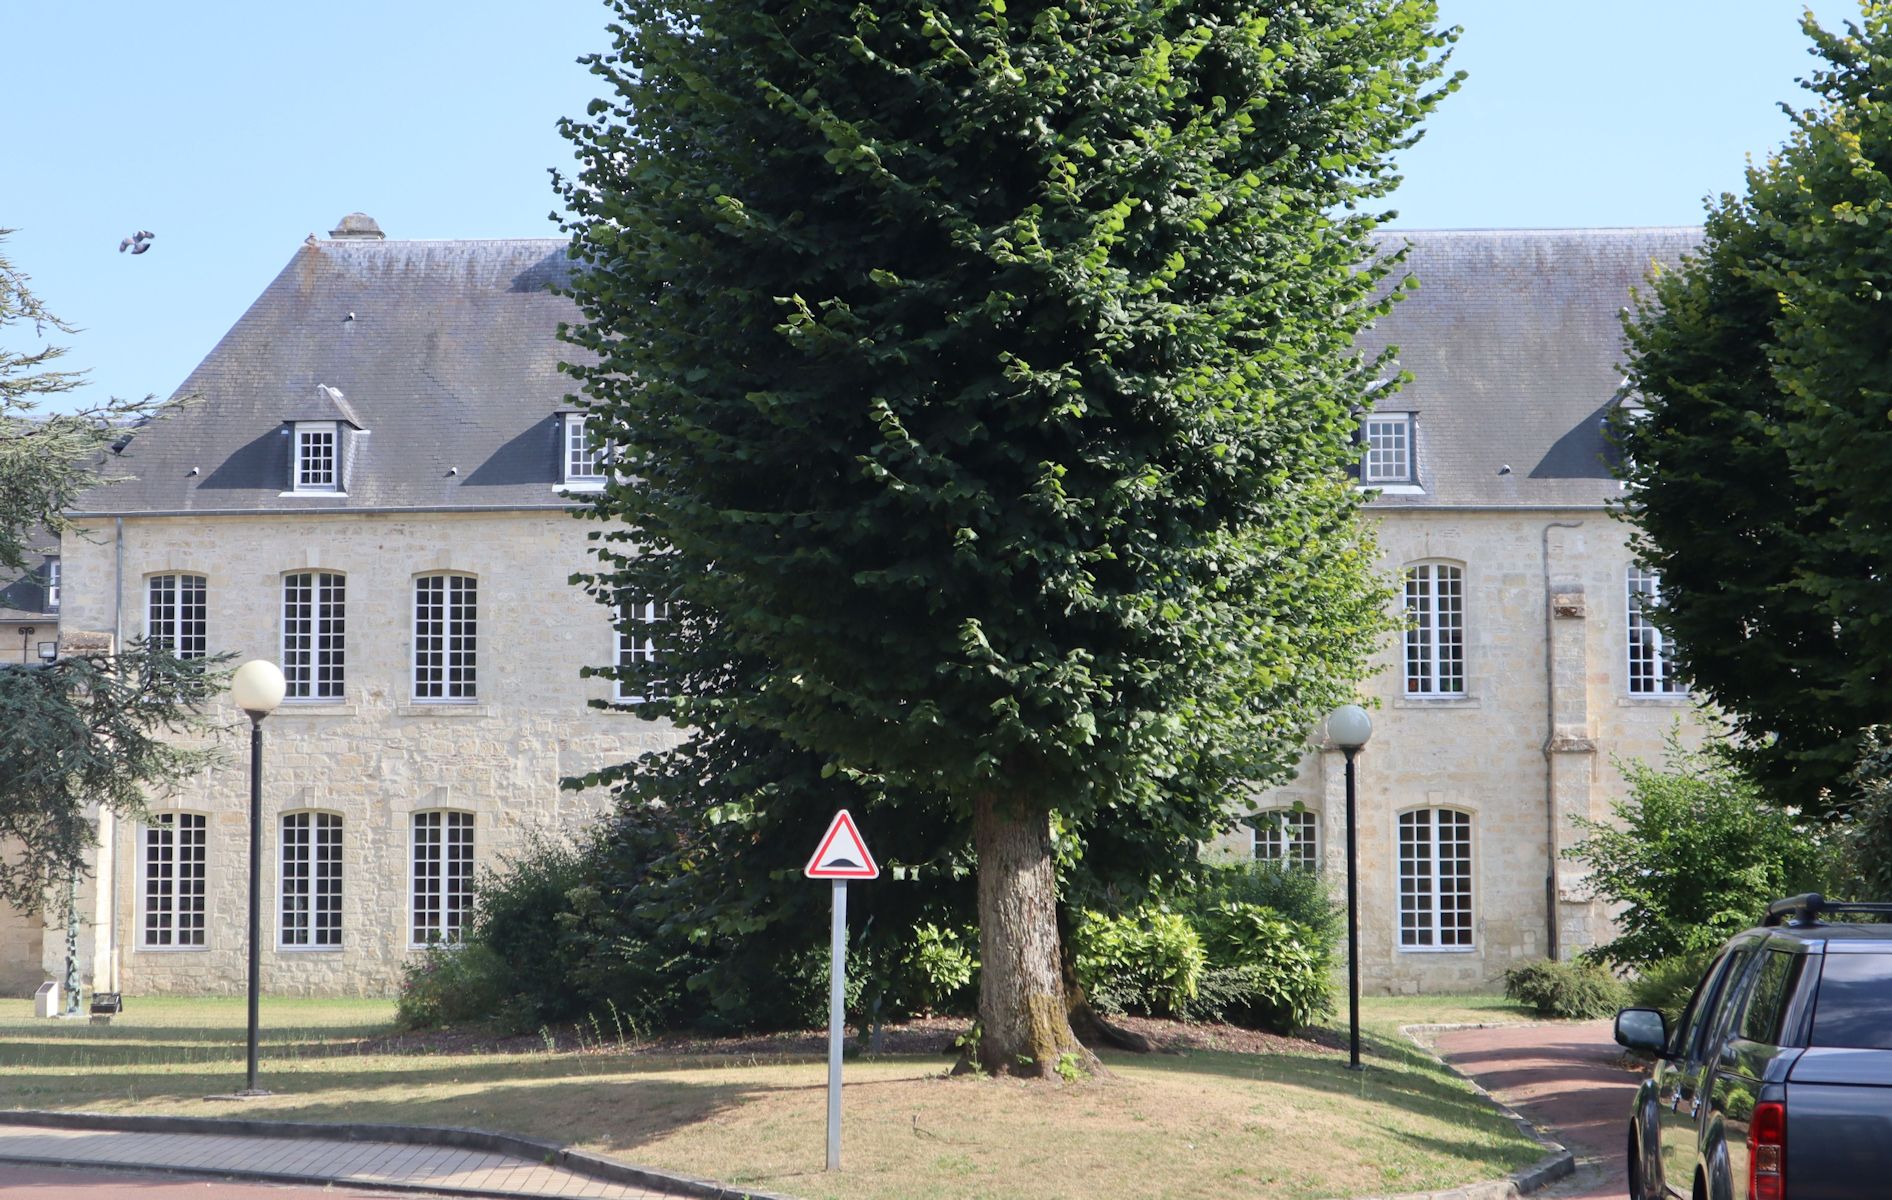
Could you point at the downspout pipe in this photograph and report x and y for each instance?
(109, 877)
(1550, 740)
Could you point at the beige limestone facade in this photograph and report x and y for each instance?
(1530, 747)
(374, 758)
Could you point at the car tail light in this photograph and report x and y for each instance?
(1767, 1152)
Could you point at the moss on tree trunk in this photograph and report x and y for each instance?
(1025, 1026)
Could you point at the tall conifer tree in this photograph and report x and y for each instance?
(982, 385)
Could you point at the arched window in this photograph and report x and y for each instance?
(442, 892)
(311, 880)
(446, 637)
(1435, 879)
(1287, 835)
(637, 643)
(175, 613)
(173, 866)
(314, 634)
(1651, 659)
(1435, 630)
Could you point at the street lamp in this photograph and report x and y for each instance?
(257, 687)
(1348, 728)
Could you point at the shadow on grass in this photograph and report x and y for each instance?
(1395, 1072)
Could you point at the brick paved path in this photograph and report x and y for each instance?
(441, 1168)
(1569, 1082)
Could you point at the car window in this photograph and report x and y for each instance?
(1718, 1017)
(1854, 1005)
(1767, 1001)
(1684, 1036)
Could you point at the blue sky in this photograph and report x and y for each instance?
(233, 130)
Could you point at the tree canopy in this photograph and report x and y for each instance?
(1764, 363)
(981, 387)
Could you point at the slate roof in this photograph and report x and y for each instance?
(1515, 344)
(449, 360)
(444, 355)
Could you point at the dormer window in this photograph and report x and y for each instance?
(317, 461)
(52, 584)
(324, 436)
(583, 464)
(1389, 449)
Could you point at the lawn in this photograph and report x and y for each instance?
(1207, 1123)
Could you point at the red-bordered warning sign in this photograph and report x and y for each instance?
(843, 853)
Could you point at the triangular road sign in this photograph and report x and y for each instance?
(843, 854)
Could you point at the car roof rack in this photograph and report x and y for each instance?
(1809, 908)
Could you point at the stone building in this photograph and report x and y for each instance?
(374, 486)
(1527, 671)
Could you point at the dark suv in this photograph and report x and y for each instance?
(1776, 1083)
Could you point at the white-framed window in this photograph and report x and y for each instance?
(442, 893)
(1388, 440)
(175, 607)
(173, 864)
(1435, 630)
(311, 880)
(1287, 835)
(1651, 658)
(446, 637)
(317, 466)
(583, 464)
(52, 578)
(637, 642)
(314, 634)
(1435, 879)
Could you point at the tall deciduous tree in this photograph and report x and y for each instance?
(982, 384)
(1757, 470)
(89, 730)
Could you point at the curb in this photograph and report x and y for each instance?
(579, 1162)
(1558, 1163)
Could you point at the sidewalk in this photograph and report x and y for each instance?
(402, 1166)
(1565, 1079)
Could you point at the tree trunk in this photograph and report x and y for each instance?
(1024, 1026)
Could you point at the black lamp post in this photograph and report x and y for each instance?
(257, 687)
(1349, 728)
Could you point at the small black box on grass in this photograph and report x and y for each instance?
(107, 1002)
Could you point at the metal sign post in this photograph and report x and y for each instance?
(837, 1002)
(842, 856)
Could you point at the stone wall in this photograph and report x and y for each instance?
(377, 756)
(1546, 709)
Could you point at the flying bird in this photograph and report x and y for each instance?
(138, 242)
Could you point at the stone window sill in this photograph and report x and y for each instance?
(1420, 700)
(442, 708)
(317, 708)
(1657, 700)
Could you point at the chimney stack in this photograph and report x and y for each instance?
(357, 227)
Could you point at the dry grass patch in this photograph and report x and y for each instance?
(1291, 1122)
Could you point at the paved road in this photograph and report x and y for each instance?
(360, 1165)
(58, 1183)
(1569, 1081)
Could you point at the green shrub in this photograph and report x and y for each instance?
(1578, 990)
(519, 915)
(452, 985)
(1693, 857)
(1263, 970)
(1668, 984)
(940, 965)
(1149, 961)
(1295, 893)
